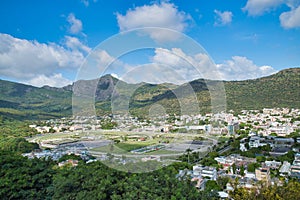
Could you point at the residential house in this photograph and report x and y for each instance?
(263, 174)
(205, 172)
(285, 168)
(256, 141)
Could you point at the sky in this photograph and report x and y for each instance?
(54, 42)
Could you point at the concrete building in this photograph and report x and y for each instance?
(263, 174)
(256, 141)
(272, 164)
(295, 168)
(285, 168)
(205, 172)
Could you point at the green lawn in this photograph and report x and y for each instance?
(130, 146)
(110, 149)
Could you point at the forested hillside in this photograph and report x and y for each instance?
(21, 101)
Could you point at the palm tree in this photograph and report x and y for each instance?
(188, 153)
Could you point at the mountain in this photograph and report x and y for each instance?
(28, 102)
(278, 90)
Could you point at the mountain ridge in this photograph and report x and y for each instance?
(22, 101)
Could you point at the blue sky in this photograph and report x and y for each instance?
(46, 42)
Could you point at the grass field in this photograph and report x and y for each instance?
(129, 147)
(119, 148)
(110, 149)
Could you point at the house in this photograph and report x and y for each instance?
(225, 162)
(184, 173)
(263, 174)
(283, 142)
(295, 168)
(285, 168)
(279, 151)
(223, 195)
(205, 172)
(243, 147)
(272, 164)
(295, 171)
(256, 141)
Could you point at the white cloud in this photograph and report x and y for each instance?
(26, 60)
(103, 59)
(290, 19)
(55, 80)
(241, 68)
(223, 18)
(75, 24)
(99, 62)
(190, 67)
(164, 15)
(258, 7)
(76, 45)
(187, 67)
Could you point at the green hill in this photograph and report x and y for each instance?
(278, 90)
(26, 102)
(21, 101)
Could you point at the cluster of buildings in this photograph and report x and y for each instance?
(246, 179)
(266, 122)
(56, 153)
(279, 145)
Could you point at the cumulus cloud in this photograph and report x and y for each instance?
(55, 80)
(164, 15)
(223, 18)
(75, 24)
(76, 45)
(98, 63)
(30, 61)
(290, 19)
(190, 67)
(258, 7)
(174, 66)
(241, 68)
(182, 66)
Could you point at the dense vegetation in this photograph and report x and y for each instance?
(279, 90)
(28, 102)
(22, 178)
(19, 101)
(12, 135)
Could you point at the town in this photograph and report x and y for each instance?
(244, 148)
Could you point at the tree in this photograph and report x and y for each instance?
(235, 144)
(69, 157)
(242, 171)
(212, 185)
(260, 159)
(222, 181)
(233, 168)
(252, 166)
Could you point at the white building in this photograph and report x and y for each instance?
(256, 141)
(205, 172)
